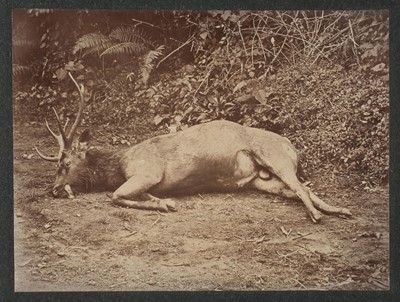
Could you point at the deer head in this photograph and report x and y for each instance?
(69, 158)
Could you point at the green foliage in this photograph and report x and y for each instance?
(92, 43)
(149, 61)
(20, 48)
(41, 40)
(337, 115)
(337, 119)
(37, 12)
(343, 121)
(24, 43)
(121, 40)
(20, 70)
(319, 78)
(254, 44)
(129, 34)
(125, 40)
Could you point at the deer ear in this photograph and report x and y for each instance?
(84, 139)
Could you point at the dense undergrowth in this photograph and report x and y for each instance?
(318, 78)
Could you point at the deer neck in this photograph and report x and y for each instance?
(105, 169)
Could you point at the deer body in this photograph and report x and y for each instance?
(211, 157)
(215, 156)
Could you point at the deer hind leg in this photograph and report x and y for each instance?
(276, 186)
(326, 208)
(133, 194)
(294, 184)
(288, 177)
(283, 164)
(273, 186)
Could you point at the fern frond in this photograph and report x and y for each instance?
(39, 11)
(123, 34)
(20, 70)
(124, 48)
(23, 43)
(93, 42)
(153, 55)
(132, 34)
(149, 62)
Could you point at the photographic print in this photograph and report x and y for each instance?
(183, 150)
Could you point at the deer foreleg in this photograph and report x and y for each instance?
(162, 205)
(133, 194)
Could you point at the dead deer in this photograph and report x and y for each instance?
(218, 156)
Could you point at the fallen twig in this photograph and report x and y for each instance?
(144, 22)
(130, 234)
(355, 45)
(288, 254)
(287, 233)
(127, 227)
(307, 249)
(301, 236)
(154, 223)
(380, 284)
(162, 214)
(47, 265)
(204, 79)
(117, 284)
(238, 237)
(262, 239)
(298, 282)
(25, 263)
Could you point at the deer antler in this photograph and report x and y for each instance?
(79, 117)
(65, 141)
(59, 138)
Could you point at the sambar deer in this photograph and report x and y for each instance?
(216, 156)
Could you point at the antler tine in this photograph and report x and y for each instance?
(79, 117)
(49, 158)
(61, 128)
(59, 139)
(66, 124)
(50, 131)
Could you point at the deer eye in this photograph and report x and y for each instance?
(68, 163)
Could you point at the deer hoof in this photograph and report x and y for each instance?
(346, 212)
(165, 205)
(315, 216)
(170, 205)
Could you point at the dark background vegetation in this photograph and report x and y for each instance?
(319, 78)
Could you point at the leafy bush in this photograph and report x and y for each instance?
(318, 77)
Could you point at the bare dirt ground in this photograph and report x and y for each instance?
(241, 241)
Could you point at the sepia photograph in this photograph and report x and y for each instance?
(208, 150)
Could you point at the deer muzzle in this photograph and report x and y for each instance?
(67, 188)
(57, 190)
